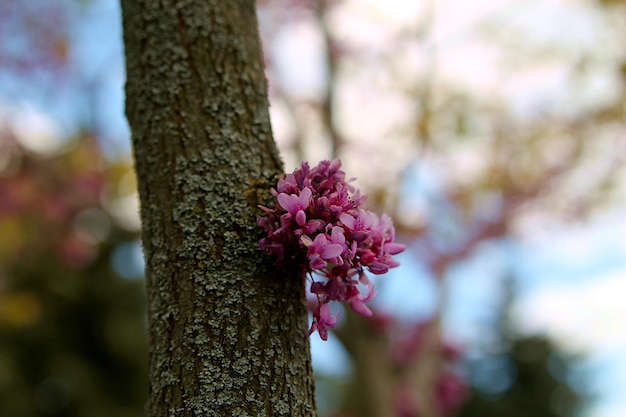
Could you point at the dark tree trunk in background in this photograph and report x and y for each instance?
(227, 329)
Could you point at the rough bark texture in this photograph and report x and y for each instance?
(227, 329)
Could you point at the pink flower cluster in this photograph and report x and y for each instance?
(318, 222)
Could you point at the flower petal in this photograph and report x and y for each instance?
(300, 218)
(378, 268)
(305, 198)
(306, 241)
(360, 308)
(284, 200)
(331, 251)
(394, 248)
(348, 220)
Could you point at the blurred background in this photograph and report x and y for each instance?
(492, 131)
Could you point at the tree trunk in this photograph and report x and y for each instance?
(227, 328)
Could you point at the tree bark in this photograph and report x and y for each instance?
(227, 328)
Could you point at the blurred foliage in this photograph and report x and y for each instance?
(514, 376)
(72, 330)
(530, 378)
(43, 29)
(517, 375)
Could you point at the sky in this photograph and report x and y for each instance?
(571, 278)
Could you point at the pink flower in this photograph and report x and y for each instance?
(360, 225)
(322, 320)
(318, 220)
(294, 203)
(357, 303)
(320, 249)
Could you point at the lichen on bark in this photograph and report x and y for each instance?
(227, 328)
